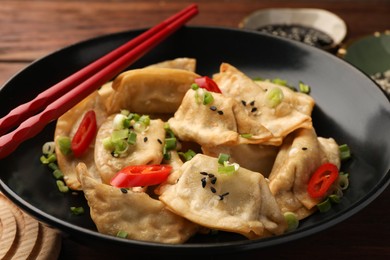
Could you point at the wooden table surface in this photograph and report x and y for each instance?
(32, 29)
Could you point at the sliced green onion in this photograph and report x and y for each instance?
(133, 116)
(246, 136)
(223, 157)
(170, 143)
(53, 166)
(279, 81)
(274, 97)
(343, 180)
(118, 122)
(207, 98)
(48, 159)
(194, 86)
(121, 234)
(125, 112)
(121, 146)
(132, 138)
(345, 152)
(304, 88)
(108, 144)
(228, 169)
(58, 174)
(61, 186)
(118, 135)
(324, 206)
(77, 210)
(168, 130)
(144, 119)
(64, 145)
(48, 148)
(292, 221)
(334, 198)
(198, 99)
(187, 155)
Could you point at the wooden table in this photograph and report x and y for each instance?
(32, 29)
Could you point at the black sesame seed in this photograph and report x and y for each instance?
(304, 148)
(213, 180)
(213, 190)
(254, 109)
(243, 102)
(204, 173)
(211, 175)
(158, 140)
(220, 112)
(213, 108)
(252, 103)
(203, 180)
(145, 139)
(123, 190)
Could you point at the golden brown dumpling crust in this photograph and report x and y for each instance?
(135, 213)
(67, 125)
(142, 152)
(300, 155)
(240, 203)
(292, 113)
(219, 123)
(150, 90)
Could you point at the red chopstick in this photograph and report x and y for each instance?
(22, 112)
(67, 93)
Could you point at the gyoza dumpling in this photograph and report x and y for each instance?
(240, 203)
(136, 213)
(220, 122)
(178, 63)
(300, 155)
(148, 149)
(292, 113)
(67, 125)
(150, 90)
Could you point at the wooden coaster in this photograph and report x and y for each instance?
(23, 237)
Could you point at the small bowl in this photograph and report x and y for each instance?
(318, 19)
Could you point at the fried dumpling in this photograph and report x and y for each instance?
(300, 155)
(178, 63)
(146, 150)
(240, 203)
(67, 125)
(135, 213)
(222, 121)
(150, 90)
(291, 113)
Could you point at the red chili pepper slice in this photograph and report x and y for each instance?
(141, 175)
(322, 180)
(208, 84)
(84, 134)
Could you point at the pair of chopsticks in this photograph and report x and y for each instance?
(49, 105)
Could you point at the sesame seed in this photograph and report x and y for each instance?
(213, 108)
(304, 148)
(254, 109)
(123, 190)
(158, 140)
(145, 139)
(220, 112)
(243, 102)
(211, 175)
(252, 103)
(203, 180)
(213, 190)
(213, 180)
(204, 173)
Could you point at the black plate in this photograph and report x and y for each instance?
(350, 108)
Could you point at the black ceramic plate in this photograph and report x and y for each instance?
(350, 108)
